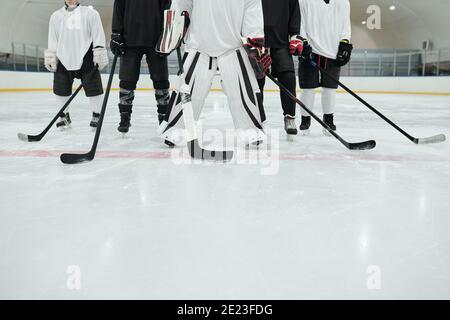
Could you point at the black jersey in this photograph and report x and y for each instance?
(139, 21)
(281, 21)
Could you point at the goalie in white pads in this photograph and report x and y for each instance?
(76, 45)
(227, 36)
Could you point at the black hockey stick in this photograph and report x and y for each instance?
(195, 150)
(434, 139)
(30, 138)
(366, 145)
(70, 158)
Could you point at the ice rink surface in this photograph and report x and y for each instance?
(307, 220)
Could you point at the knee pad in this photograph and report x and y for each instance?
(126, 100)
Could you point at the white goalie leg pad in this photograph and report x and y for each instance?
(241, 87)
(175, 27)
(199, 71)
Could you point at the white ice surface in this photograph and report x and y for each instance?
(142, 225)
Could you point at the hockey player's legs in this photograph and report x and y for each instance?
(159, 74)
(130, 65)
(242, 90)
(92, 85)
(283, 69)
(329, 92)
(62, 88)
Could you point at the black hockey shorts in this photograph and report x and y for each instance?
(130, 68)
(311, 78)
(281, 61)
(92, 82)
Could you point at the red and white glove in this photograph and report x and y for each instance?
(258, 56)
(296, 46)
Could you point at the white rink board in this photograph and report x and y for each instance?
(31, 80)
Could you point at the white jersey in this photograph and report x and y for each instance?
(325, 25)
(218, 26)
(71, 34)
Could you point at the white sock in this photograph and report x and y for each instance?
(62, 101)
(96, 103)
(328, 100)
(308, 97)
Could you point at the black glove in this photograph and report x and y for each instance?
(307, 51)
(344, 53)
(117, 44)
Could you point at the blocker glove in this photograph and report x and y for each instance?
(117, 44)
(258, 56)
(344, 53)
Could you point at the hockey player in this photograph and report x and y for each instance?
(136, 27)
(326, 25)
(227, 36)
(282, 35)
(76, 45)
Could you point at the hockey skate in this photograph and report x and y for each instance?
(329, 121)
(124, 125)
(94, 121)
(290, 127)
(65, 122)
(304, 126)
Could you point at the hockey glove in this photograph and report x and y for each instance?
(50, 60)
(117, 44)
(100, 57)
(344, 53)
(258, 56)
(307, 51)
(296, 45)
(176, 25)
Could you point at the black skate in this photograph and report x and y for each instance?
(65, 122)
(290, 126)
(124, 125)
(304, 126)
(329, 121)
(94, 121)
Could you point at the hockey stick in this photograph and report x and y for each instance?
(70, 158)
(195, 151)
(366, 145)
(434, 139)
(31, 138)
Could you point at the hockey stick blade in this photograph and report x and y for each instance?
(27, 138)
(434, 139)
(197, 152)
(68, 158)
(366, 145)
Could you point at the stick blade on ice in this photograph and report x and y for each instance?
(435, 139)
(367, 145)
(70, 158)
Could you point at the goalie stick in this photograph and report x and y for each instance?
(70, 158)
(195, 150)
(366, 145)
(434, 139)
(39, 137)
